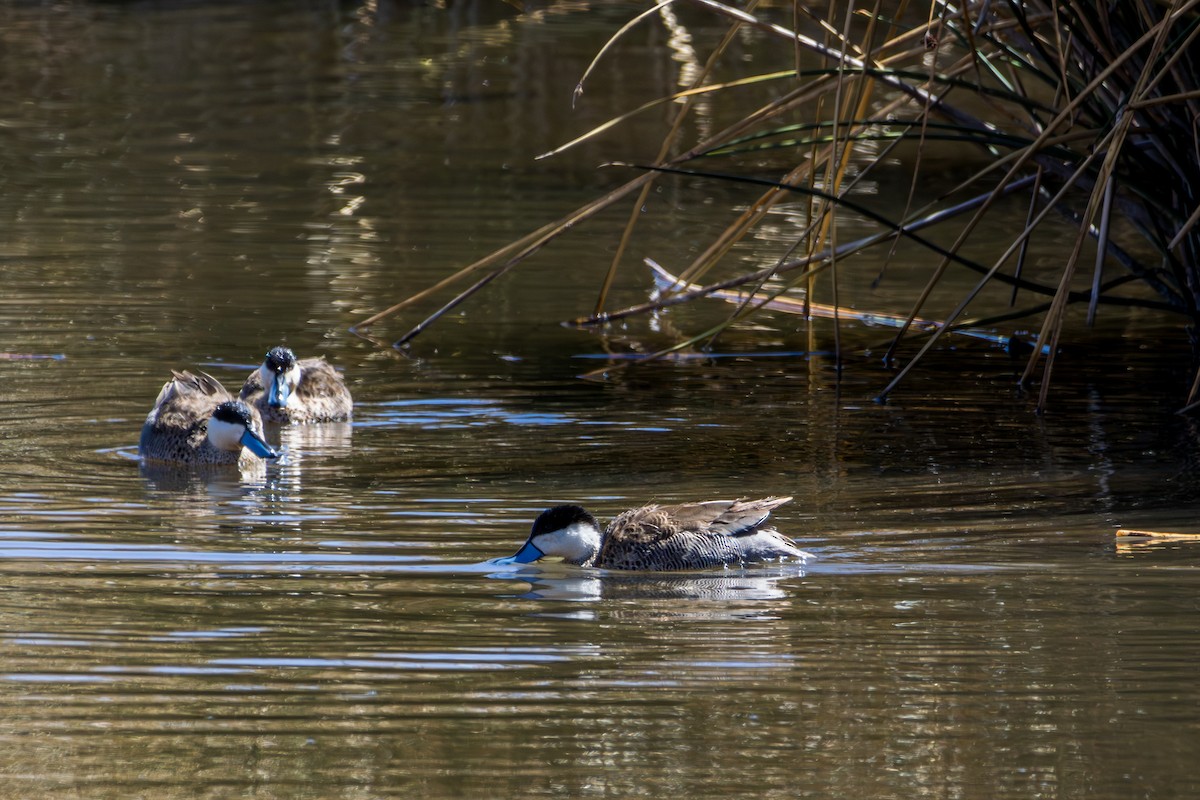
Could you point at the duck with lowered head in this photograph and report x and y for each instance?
(688, 536)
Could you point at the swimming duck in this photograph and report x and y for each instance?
(688, 536)
(287, 389)
(196, 421)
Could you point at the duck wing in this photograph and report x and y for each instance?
(693, 536)
(743, 526)
(725, 517)
(192, 395)
(200, 383)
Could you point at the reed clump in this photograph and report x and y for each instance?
(1089, 109)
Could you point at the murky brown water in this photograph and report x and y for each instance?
(184, 185)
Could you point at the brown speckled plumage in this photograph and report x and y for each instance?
(321, 395)
(176, 429)
(687, 536)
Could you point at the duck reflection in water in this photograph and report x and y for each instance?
(196, 421)
(653, 538)
(726, 592)
(286, 389)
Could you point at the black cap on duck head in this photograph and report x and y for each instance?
(280, 359)
(235, 412)
(559, 517)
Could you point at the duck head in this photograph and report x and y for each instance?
(280, 375)
(231, 427)
(566, 531)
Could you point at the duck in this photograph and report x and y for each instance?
(195, 420)
(286, 389)
(656, 538)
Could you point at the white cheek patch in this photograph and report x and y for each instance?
(225, 435)
(265, 376)
(577, 541)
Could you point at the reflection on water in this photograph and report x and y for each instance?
(335, 626)
(130, 557)
(186, 185)
(725, 589)
(208, 479)
(338, 619)
(788, 678)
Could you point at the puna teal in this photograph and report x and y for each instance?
(688, 536)
(286, 389)
(196, 421)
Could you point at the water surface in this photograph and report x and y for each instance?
(185, 185)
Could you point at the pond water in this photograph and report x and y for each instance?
(188, 184)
